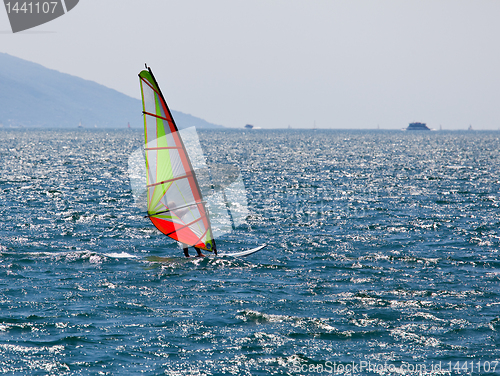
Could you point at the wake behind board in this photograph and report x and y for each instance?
(246, 253)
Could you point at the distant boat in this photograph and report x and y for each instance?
(80, 125)
(250, 126)
(128, 125)
(470, 128)
(418, 127)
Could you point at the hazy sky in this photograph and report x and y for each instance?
(343, 64)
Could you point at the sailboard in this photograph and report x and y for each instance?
(246, 253)
(174, 197)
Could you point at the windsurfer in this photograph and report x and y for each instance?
(175, 204)
(186, 251)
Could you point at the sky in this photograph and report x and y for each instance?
(353, 64)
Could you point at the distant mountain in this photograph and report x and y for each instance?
(32, 95)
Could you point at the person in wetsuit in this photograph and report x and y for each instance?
(186, 251)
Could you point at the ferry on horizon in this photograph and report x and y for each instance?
(250, 126)
(418, 127)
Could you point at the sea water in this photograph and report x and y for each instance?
(382, 258)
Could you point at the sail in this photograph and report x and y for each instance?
(174, 201)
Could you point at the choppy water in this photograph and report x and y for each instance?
(384, 249)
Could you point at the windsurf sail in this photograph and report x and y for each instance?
(174, 201)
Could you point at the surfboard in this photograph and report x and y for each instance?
(246, 253)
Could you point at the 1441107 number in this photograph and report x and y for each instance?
(31, 7)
